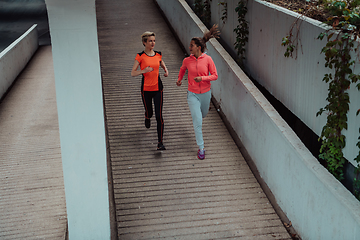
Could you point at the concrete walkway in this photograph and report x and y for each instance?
(171, 194)
(32, 197)
(158, 195)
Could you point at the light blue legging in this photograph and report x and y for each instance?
(199, 107)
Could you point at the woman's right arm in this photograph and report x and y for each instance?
(135, 72)
(181, 73)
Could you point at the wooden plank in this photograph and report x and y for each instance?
(32, 196)
(171, 194)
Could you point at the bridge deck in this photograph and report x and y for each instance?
(171, 194)
(32, 197)
(158, 195)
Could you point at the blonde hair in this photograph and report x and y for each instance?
(146, 35)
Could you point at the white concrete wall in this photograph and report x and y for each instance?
(316, 203)
(79, 99)
(14, 58)
(296, 82)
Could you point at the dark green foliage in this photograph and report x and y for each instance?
(242, 30)
(340, 42)
(224, 11)
(203, 10)
(337, 56)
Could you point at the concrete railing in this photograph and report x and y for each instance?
(14, 58)
(318, 206)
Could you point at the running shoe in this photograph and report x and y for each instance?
(147, 122)
(161, 146)
(201, 154)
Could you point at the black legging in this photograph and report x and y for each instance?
(147, 97)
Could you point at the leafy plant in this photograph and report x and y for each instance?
(345, 21)
(224, 11)
(242, 30)
(357, 169)
(287, 41)
(203, 10)
(338, 57)
(344, 13)
(199, 8)
(207, 12)
(290, 41)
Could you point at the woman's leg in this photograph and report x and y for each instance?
(147, 101)
(195, 109)
(205, 99)
(158, 103)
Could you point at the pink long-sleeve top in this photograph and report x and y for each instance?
(200, 66)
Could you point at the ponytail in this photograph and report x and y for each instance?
(213, 33)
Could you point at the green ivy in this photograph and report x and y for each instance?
(287, 41)
(338, 57)
(357, 170)
(242, 30)
(224, 11)
(203, 10)
(198, 8)
(207, 12)
(345, 21)
(292, 42)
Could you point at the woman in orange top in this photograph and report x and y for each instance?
(149, 62)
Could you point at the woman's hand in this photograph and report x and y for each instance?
(148, 69)
(166, 73)
(197, 79)
(178, 83)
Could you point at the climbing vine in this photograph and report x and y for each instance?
(203, 10)
(340, 43)
(292, 40)
(224, 11)
(357, 159)
(242, 30)
(207, 12)
(337, 56)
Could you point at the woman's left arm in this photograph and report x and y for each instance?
(212, 70)
(162, 64)
(213, 73)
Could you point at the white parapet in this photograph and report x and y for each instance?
(14, 58)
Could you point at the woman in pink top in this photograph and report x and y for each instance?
(201, 71)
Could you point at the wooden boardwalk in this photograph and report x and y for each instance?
(171, 194)
(32, 195)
